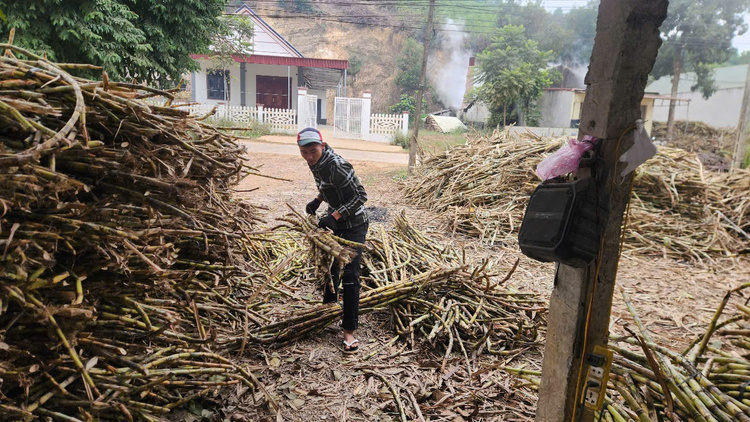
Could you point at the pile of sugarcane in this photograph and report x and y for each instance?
(708, 381)
(431, 292)
(130, 279)
(651, 382)
(118, 238)
(697, 136)
(481, 187)
(678, 209)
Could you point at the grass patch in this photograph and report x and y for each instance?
(433, 142)
(399, 175)
(253, 130)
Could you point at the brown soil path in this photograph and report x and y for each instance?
(337, 143)
(351, 155)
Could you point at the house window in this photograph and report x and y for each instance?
(215, 82)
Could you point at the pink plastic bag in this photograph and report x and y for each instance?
(566, 159)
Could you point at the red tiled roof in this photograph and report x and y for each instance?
(286, 61)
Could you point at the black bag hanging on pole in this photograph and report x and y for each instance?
(564, 222)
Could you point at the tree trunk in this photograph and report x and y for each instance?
(413, 146)
(224, 78)
(520, 118)
(740, 149)
(676, 71)
(505, 112)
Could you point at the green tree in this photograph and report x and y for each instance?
(408, 103)
(409, 64)
(569, 35)
(697, 35)
(146, 40)
(513, 72)
(355, 65)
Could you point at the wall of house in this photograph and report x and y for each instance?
(578, 97)
(321, 94)
(721, 110)
(266, 44)
(200, 87)
(648, 117)
(478, 113)
(556, 108)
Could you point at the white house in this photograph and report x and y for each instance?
(270, 76)
(561, 107)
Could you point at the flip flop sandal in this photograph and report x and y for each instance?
(352, 347)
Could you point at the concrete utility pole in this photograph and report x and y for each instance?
(743, 126)
(625, 48)
(420, 94)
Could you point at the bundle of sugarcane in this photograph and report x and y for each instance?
(674, 180)
(681, 210)
(695, 128)
(697, 136)
(678, 210)
(650, 382)
(473, 184)
(430, 291)
(705, 382)
(118, 234)
(733, 202)
(474, 309)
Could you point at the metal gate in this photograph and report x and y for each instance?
(307, 111)
(347, 118)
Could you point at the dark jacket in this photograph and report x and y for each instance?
(340, 188)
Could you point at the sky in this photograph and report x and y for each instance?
(741, 43)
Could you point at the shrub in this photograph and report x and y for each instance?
(408, 103)
(401, 140)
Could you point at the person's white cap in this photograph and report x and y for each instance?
(309, 136)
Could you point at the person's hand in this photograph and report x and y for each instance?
(312, 206)
(327, 222)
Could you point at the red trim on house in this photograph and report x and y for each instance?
(286, 61)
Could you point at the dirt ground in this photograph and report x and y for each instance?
(674, 299)
(336, 143)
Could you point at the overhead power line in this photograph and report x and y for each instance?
(347, 19)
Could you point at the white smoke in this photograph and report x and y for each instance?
(450, 71)
(578, 75)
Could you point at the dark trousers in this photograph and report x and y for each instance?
(350, 280)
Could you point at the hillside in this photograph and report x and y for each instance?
(377, 47)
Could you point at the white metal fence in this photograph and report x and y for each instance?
(279, 119)
(308, 111)
(352, 118)
(347, 118)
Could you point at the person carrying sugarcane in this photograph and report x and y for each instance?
(338, 186)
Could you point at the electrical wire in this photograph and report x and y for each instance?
(695, 42)
(590, 305)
